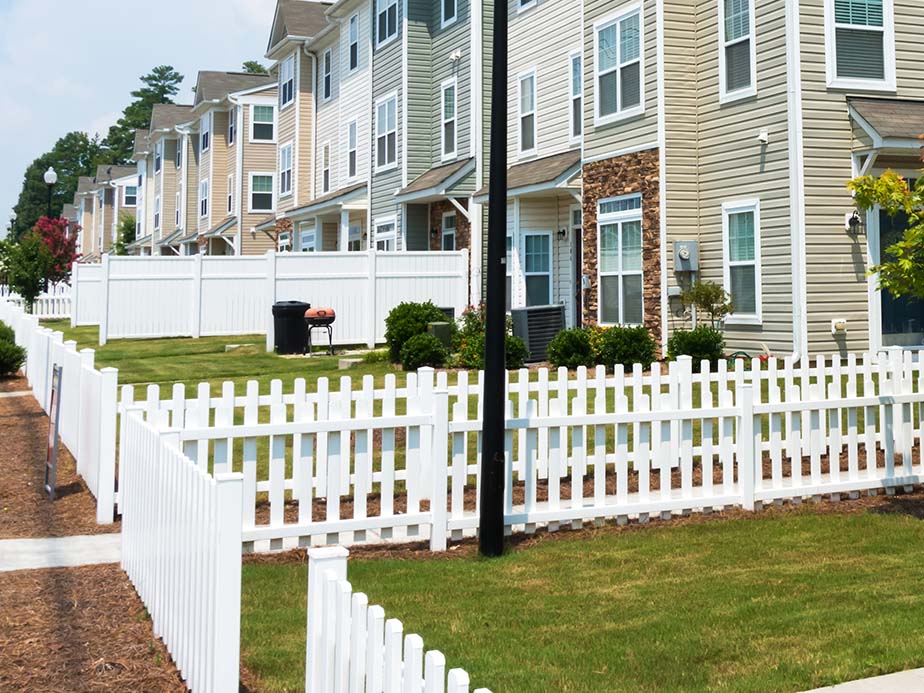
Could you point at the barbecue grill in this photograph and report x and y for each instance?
(321, 319)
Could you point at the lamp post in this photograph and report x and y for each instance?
(491, 521)
(51, 179)
(12, 220)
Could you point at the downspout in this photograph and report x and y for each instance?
(239, 170)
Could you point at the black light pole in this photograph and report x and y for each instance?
(51, 179)
(491, 522)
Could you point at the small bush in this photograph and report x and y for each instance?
(571, 348)
(423, 350)
(11, 358)
(408, 320)
(516, 352)
(6, 333)
(376, 356)
(627, 345)
(704, 343)
(471, 351)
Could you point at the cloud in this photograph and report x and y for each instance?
(73, 65)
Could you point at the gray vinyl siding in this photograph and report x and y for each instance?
(487, 42)
(456, 36)
(604, 140)
(835, 263)
(418, 97)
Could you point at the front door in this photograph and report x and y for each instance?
(577, 265)
(902, 317)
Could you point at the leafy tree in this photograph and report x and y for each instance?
(126, 234)
(903, 274)
(61, 248)
(710, 299)
(254, 67)
(27, 264)
(74, 155)
(159, 86)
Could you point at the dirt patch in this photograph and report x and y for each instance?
(14, 384)
(79, 629)
(25, 510)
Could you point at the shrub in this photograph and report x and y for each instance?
(6, 333)
(408, 320)
(471, 351)
(571, 348)
(11, 357)
(596, 334)
(627, 345)
(423, 350)
(516, 351)
(704, 343)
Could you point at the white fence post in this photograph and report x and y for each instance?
(196, 307)
(439, 460)
(227, 581)
(270, 298)
(104, 315)
(372, 292)
(108, 407)
(748, 457)
(74, 284)
(320, 561)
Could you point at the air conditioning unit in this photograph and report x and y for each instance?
(536, 326)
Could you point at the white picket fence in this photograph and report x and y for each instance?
(51, 305)
(89, 401)
(181, 548)
(351, 647)
(213, 295)
(348, 465)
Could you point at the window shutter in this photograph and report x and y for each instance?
(860, 53)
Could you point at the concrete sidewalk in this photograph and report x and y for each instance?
(900, 682)
(63, 552)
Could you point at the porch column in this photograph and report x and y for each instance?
(344, 230)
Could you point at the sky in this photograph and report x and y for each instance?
(70, 65)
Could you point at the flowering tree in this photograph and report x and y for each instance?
(26, 264)
(61, 246)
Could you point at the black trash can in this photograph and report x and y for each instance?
(289, 327)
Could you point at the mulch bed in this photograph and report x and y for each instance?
(79, 629)
(25, 510)
(17, 384)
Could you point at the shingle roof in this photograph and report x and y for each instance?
(69, 212)
(298, 18)
(169, 115)
(545, 170)
(435, 177)
(319, 202)
(891, 117)
(141, 145)
(217, 85)
(106, 173)
(85, 184)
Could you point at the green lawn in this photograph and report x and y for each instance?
(788, 601)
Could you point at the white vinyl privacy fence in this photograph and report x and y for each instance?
(89, 399)
(144, 297)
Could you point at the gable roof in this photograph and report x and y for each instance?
(297, 19)
(106, 173)
(169, 115)
(85, 184)
(213, 86)
(140, 149)
(890, 118)
(69, 212)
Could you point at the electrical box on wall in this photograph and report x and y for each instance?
(686, 256)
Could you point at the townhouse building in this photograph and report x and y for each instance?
(104, 200)
(83, 201)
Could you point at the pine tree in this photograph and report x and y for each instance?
(159, 86)
(254, 68)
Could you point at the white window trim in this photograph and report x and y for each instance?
(535, 112)
(548, 273)
(618, 218)
(230, 196)
(452, 82)
(385, 221)
(178, 210)
(252, 175)
(889, 84)
(375, 134)
(523, 7)
(204, 198)
(125, 195)
(326, 167)
(327, 57)
(180, 152)
(158, 157)
(452, 232)
(290, 145)
(351, 70)
(575, 137)
(448, 21)
(749, 91)
(354, 123)
(284, 244)
(205, 126)
(287, 104)
(232, 126)
(614, 18)
(313, 230)
(158, 213)
(375, 16)
(728, 208)
(253, 107)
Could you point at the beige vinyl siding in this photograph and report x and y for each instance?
(304, 153)
(192, 183)
(328, 120)
(835, 263)
(605, 140)
(285, 125)
(205, 161)
(532, 47)
(445, 41)
(354, 102)
(168, 180)
(223, 165)
(257, 157)
(149, 182)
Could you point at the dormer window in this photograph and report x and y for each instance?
(386, 21)
(287, 81)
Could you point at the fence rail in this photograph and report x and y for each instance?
(50, 305)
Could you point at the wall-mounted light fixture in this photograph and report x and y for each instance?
(562, 234)
(853, 223)
(434, 232)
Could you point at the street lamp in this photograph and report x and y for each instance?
(51, 179)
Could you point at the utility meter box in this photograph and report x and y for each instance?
(686, 256)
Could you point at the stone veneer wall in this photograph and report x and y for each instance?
(626, 175)
(463, 226)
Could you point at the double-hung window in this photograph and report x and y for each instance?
(618, 49)
(737, 49)
(203, 198)
(327, 74)
(263, 124)
(385, 235)
(157, 210)
(537, 268)
(449, 231)
(129, 196)
(232, 126)
(449, 119)
(741, 235)
(261, 192)
(619, 232)
(231, 194)
(577, 96)
(860, 38)
(285, 170)
(158, 156)
(527, 101)
(386, 21)
(386, 133)
(178, 209)
(287, 81)
(205, 132)
(325, 169)
(354, 42)
(179, 152)
(351, 149)
(450, 10)
(307, 238)
(285, 241)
